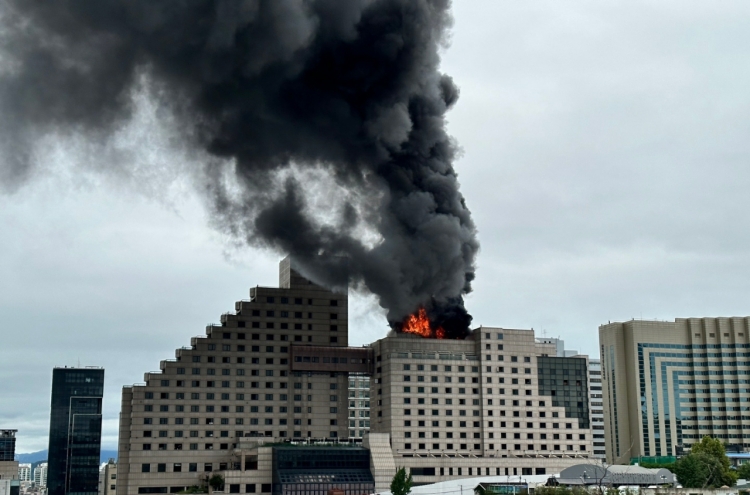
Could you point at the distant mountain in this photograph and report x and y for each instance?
(42, 456)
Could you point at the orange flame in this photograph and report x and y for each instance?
(420, 324)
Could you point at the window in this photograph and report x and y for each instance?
(145, 468)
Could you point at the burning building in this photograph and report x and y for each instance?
(498, 402)
(277, 371)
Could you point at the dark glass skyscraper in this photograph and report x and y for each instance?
(75, 432)
(7, 445)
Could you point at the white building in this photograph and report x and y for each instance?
(40, 475)
(24, 472)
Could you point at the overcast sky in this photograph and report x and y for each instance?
(605, 150)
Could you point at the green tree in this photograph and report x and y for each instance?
(702, 471)
(743, 472)
(712, 447)
(401, 484)
(216, 482)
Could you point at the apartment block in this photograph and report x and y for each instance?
(24, 472)
(667, 384)
(496, 403)
(40, 475)
(275, 370)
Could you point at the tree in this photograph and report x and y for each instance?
(712, 447)
(216, 482)
(401, 484)
(743, 472)
(702, 471)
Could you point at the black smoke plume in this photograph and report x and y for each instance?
(349, 87)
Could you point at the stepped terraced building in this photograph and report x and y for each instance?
(276, 370)
(497, 403)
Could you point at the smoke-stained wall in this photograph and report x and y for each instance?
(269, 89)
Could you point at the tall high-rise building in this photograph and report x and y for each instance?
(276, 368)
(496, 403)
(40, 474)
(75, 432)
(9, 483)
(667, 384)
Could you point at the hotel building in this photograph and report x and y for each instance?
(496, 403)
(276, 370)
(667, 384)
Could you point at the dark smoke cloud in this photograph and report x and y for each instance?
(350, 87)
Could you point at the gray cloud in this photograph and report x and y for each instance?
(262, 87)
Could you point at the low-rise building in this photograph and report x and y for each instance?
(108, 478)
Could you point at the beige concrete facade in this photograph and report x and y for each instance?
(108, 478)
(476, 407)
(9, 470)
(205, 411)
(666, 384)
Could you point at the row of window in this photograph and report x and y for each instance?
(491, 435)
(475, 391)
(233, 488)
(297, 301)
(223, 433)
(227, 384)
(226, 396)
(271, 313)
(226, 446)
(490, 424)
(431, 471)
(195, 408)
(282, 326)
(225, 421)
(474, 379)
(477, 446)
